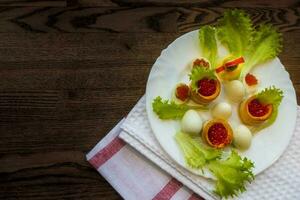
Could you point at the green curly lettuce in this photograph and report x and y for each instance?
(208, 44)
(199, 73)
(195, 153)
(232, 174)
(170, 110)
(235, 31)
(266, 45)
(271, 95)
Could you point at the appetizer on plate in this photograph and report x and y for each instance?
(253, 112)
(181, 93)
(203, 140)
(251, 80)
(242, 137)
(235, 90)
(191, 122)
(262, 107)
(217, 133)
(205, 87)
(201, 62)
(222, 110)
(230, 68)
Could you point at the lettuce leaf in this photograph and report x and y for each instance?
(170, 110)
(266, 45)
(232, 174)
(198, 73)
(235, 31)
(196, 154)
(271, 95)
(208, 44)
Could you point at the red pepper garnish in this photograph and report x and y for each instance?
(230, 64)
(251, 79)
(235, 62)
(220, 69)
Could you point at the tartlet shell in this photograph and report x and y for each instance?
(248, 118)
(206, 127)
(198, 98)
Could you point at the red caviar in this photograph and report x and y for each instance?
(257, 109)
(207, 87)
(251, 79)
(217, 134)
(182, 92)
(201, 62)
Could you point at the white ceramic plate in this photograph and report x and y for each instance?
(173, 66)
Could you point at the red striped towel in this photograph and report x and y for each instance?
(130, 168)
(131, 174)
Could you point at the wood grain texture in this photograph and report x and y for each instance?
(190, 3)
(69, 74)
(152, 3)
(132, 19)
(35, 3)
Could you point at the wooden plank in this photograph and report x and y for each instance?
(94, 3)
(190, 3)
(151, 3)
(98, 50)
(34, 50)
(50, 176)
(34, 3)
(134, 19)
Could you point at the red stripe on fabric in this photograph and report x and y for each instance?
(168, 190)
(195, 196)
(107, 152)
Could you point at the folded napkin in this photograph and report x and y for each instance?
(132, 173)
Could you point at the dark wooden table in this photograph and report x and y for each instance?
(71, 69)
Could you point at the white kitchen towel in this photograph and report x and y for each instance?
(280, 181)
(130, 171)
(132, 175)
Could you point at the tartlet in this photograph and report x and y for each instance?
(182, 93)
(253, 112)
(201, 62)
(217, 133)
(206, 97)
